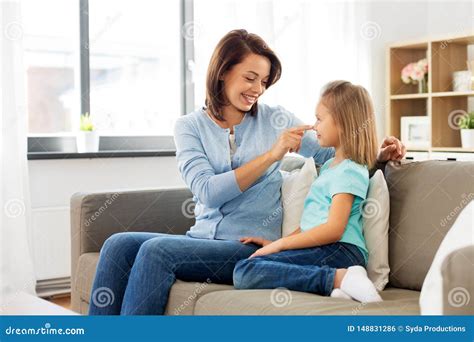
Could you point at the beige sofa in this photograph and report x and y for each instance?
(422, 194)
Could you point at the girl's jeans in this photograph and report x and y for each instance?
(306, 270)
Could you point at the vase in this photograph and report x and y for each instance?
(467, 138)
(422, 86)
(87, 142)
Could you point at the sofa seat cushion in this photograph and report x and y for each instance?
(284, 302)
(182, 298)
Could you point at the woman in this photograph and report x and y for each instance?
(229, 154)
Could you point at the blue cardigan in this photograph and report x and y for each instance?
(222, 210)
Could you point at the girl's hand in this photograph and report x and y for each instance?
(289, 140)
(255, 240)
(272, 248)
(391, 149)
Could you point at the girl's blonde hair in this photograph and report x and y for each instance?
(353, 112)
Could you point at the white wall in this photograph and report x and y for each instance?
(403, 20)
(52, 183)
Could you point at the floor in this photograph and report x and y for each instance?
(62, 300)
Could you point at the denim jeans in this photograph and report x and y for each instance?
(306, 270)
(136, 270)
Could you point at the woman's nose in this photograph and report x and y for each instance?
(258, 88)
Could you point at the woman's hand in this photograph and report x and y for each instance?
(271, 248)
(255, 240)
(391, 149)
(289, 140)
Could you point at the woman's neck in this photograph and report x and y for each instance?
(232, 117)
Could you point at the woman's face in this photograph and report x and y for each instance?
(325, 127)
(246, 81)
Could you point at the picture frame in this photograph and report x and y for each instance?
(416, 131)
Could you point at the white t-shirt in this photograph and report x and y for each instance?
(232, 144)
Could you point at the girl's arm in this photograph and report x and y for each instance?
(326, 233)
(296, 231)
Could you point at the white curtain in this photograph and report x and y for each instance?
(317, 42)
(17, 274)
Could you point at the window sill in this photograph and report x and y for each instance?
(100, 154)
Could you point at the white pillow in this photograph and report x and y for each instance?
(459, 236)
(294, 190)
(375, 213)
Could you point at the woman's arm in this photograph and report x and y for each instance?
(248, 173)
(326, 233)
(213, 190)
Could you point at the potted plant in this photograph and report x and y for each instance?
(87, 139)
(416, 73)
(466, 124)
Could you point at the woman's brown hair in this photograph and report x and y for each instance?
(353, 112)
(231, 50)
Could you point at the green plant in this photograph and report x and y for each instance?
(86, 123)
(467, 122)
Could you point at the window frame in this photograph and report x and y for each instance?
(58, 146)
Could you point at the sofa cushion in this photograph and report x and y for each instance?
(285, 302)
(425, 199)
(182, 297)
(294, 189)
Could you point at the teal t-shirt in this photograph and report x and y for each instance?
(346, 177)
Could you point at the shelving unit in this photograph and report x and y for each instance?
(445, 55)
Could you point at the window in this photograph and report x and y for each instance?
(316, 41)
(134, 65)
(51, 60)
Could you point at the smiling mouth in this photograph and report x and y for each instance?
(250, 99)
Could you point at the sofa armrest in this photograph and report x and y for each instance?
(97, 216)
(458, 282)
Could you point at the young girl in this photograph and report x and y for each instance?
(327, 253)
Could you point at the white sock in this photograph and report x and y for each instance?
(338, 293)
(357, 284)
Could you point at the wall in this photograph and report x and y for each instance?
(52, 183)
(403, 20)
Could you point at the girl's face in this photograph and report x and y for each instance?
(325, 127)
(246, 81)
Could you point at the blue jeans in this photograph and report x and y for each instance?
(306, 270)
(136, 270)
